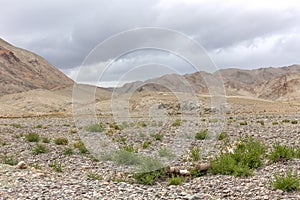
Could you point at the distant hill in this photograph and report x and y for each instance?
(22, 70)
(282, 83)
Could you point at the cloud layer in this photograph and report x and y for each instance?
(234, 34)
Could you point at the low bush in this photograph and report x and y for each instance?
(32, 137)
(146, 144)
(222, 136)
(247, 156)
(287, 182)
(157, 136)
(98, 127)
(175, 180)
(195, 153)
(39, 149)
(201, 135)
(294, 122)
(243, 123)
(45, 140)
(9, 160)
(61, 141)
(148, 178)
(281, 153)
(80, 146)
(177, 122)
(56, 166)
(166, 153)
(68, 151)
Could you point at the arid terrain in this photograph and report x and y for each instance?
(50, 149)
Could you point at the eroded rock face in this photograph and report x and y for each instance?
(21, 71)
(280, 83)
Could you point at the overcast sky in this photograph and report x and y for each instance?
(234, 34)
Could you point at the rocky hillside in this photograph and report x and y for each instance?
(281, 83)
(21, 70)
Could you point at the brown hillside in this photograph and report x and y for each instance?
(21, 70)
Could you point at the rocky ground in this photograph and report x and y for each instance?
(66, 172)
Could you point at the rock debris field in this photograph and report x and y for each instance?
(45, 158)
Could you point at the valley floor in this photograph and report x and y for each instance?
(65, 170)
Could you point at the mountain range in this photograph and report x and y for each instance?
(22, 71)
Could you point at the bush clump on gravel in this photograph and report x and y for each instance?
(98, 127)
(201, 135)
(281, 153)
(61, 141)
(247, 155)
(32, 137)
(288, 182)
(80, 146)
(175, 180)
(39, 149)
(9, 160)
(177, 122)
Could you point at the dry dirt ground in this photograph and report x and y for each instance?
(68, 171)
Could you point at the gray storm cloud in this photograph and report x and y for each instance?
(245, 35)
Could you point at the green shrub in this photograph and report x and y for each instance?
(9, 160)
(123, 157)
(3, 143)
(165, 152)
(148, 178)
(32, 137)
(196, 153)
(294, 122)
(68, 151)
(275, 123)
(146, 144)
(227, 165)
(94, 176)
(39, 149)
(175, 180)
(148, 164)
(201, 135)
(177, 122)
(222, 136)
(286, 121)
(243, 123)
(157, 136)
(80, 146)
(56, 166)
(45, 140)
(281, 153)
(288, 182)
(247, 156)
(98, 127)
(197, 173)
(61, 141)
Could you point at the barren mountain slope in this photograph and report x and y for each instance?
(266, 83)
(21, 70)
